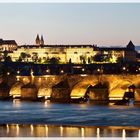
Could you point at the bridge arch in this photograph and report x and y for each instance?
(15, 90)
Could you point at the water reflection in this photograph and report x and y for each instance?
(82, 132)
(16, 103)
(46, 128)
(7, 128)
(98, 132)
(32, 129)
(123, 134)
(16, 130)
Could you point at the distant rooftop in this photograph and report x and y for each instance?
(8, 42)
(57, 46)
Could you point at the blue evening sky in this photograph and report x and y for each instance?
(78, 23)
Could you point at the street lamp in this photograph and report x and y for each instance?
(8, 73)
(124, 68)
(47, 70)
(17, 77)
(98, 70)
(62, 71)
(83, 69)
(18, 72)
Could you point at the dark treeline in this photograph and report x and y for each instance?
(22, 68)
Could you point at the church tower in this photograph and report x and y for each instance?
(130, 46)
(42, 40)
(37, 41)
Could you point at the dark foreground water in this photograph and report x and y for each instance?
(71, 120)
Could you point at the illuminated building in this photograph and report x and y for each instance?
(79, 54)
(8, 45)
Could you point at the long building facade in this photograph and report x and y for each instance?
(69, 53)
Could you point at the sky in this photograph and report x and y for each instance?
(104, 24)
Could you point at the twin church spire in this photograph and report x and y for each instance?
(39, 41)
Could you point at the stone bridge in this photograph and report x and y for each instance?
(78, 84)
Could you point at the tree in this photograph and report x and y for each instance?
(5, 54)
(98, 57)
(54, 60)
(120, 60)
(22, 56)
(1, 57)
(35, 57)
(8, 59)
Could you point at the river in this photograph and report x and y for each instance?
(75, 118)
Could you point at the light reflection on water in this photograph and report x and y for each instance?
(16, 130)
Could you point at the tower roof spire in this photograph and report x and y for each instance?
(37, 40)
(37, 37)
(42, 40)
(130, 45)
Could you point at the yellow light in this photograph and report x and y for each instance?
(32, 72)
(46, 97)
(98, 132)
(46, 128)
(113, 59)
(18, 72)
(39, 80)
(83, 75)
(139, 134)
(17, 77)
(123, 134)
(62, 71)
(17, 103)
(47, 70)
(98, 70)
(32, 129)
(61, 131)
(8, 73)
(17, 128)
(83, 69)
(75, 97)
(124, 68)
(15, 96)
(7, 126)
(116, 98)
(82, 132)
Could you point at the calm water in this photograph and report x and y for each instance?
(38, 119)
(18, 112)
